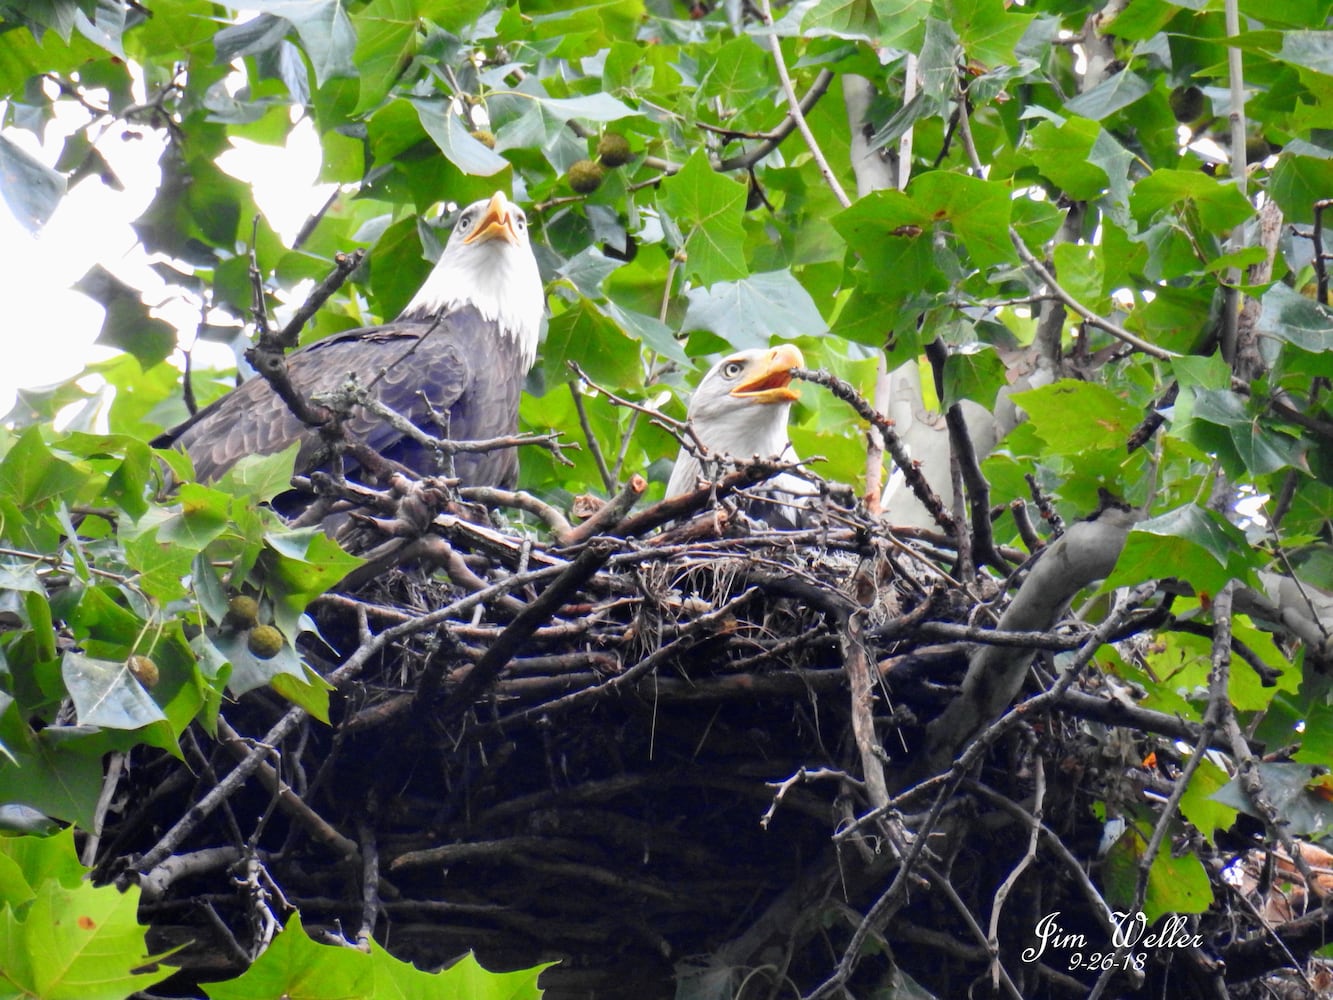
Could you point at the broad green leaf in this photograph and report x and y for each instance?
(1175, 884)
(31, 189)
(977, 210)
(855, 19)
(1311, 49)
(1105, 420)
(106, 694)
(1189, 543)
(1081, 270)
(53, 779)
(755, 310)
(455, 140)
(128, 325)
(707, 209)
(1116, 92)
(976, 372)
(1293, 789)
(1220, 204)
(585, 334)
(76, 943)
(1200, 807)
(1261, 448)
(1062, 153)
(325, 29)
(989, 32)
(31, 475)
(1298, 182)
(386, 41)
(1289, 316)
(893, 238)
(43, 859)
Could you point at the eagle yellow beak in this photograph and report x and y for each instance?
(768, 379)
(496, 223)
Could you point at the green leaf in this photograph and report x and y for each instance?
(1198, 804)
(583, 333)
(1294, 791)
(977, 210)
(1291, 317)
(1261, 448)
(1062, 153)
(1106, 420)
(31, 189)
(325, 29)
(989, 32)
(455, 140)
(1297, 183)
(53, 779)
(755, 310)
(1189, 543)
(76, 943)
(707, 208)
(386, 33)
(42, 859)
(1175, 884)
(893, 238)
(1311, 49)
(1220, 204)
(974, 372)
(128, 326)
(106, 694)
(295, 966)
(1109, 96)
(32, 476)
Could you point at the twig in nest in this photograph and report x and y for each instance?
(910, 470)
(537, 613)
(493, 496)
(608, 516)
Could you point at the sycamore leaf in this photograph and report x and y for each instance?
(1175, 884)
(1109, 96)
(106, 693)
(325, 30)
(31, 189)
(76, 943)
(707, 208)
(754, 310)
(1305, 810)
(1188, 543)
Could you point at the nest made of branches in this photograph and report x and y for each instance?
(643, 755)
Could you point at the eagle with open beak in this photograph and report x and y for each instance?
(740, 410)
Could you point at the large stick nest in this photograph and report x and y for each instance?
(645, 756)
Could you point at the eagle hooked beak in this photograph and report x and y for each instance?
(769, 377)
(496, 223)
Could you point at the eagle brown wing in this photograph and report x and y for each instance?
(444, 376)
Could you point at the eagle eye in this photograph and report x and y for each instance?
(732, 368)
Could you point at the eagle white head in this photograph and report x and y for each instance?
(740, 410)
(488, 264)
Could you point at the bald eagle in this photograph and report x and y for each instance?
(740, 410)
(453, 363)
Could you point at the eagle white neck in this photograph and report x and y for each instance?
(499, 280)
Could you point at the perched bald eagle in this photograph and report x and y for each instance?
(740, 410)
(453, 363)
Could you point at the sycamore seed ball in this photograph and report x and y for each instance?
(585, 176)
(613, 150)
(1187, 104)
(242, 611)
(265, 642)
(144, 669)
